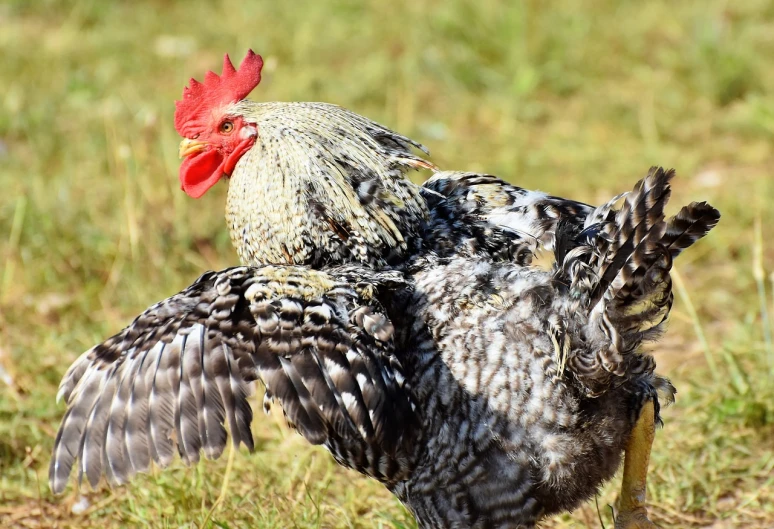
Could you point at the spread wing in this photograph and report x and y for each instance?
(180, 372)
(528, 213)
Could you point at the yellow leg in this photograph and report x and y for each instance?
(630, 507)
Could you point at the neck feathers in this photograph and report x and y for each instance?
(323, 186)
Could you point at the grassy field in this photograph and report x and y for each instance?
(578, 101)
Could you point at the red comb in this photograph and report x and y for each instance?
(191, 114)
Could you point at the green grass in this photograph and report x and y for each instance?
(578, 101)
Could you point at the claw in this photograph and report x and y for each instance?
(635, 519)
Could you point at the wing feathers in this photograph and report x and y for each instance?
(68, 439)
(235, 391)
(163, 385)
(136, 433)
(91, 452)
(189, 441)
(213, 368)
(185, 367)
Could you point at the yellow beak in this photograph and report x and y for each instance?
(189, 147)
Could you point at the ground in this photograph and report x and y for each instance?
(575, 100)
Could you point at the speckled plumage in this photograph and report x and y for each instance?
(319, 342)
(323, 185)
(400, 326)
(532, 214)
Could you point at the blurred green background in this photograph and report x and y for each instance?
(577, 99)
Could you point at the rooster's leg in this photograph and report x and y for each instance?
(631, 502)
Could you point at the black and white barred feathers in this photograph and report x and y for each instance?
(183, 370)
(403, 327)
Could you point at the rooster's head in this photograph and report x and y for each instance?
(215, 137)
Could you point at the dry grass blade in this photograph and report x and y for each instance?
(760, 280)
(697, 326)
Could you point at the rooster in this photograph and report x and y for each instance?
(400, 326)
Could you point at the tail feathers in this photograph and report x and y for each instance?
(645, 276)
(692, 223)
(639, 221)
(602, 213)
(618, 268)
(644, 298)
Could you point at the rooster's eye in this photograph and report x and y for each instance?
(226, 127)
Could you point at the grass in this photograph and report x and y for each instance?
(578, 101)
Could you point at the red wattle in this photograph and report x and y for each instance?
(200, 172)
